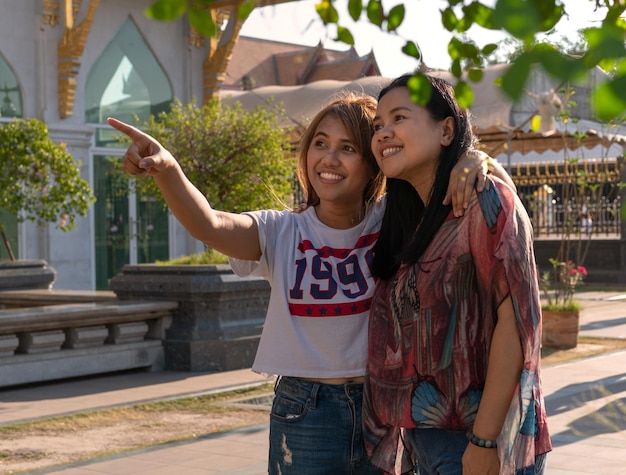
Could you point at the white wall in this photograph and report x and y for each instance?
(30, 48)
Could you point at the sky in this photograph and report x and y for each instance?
(298, 22)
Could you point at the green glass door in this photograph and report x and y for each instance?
(129, 229)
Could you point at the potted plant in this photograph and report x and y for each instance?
(560, 310)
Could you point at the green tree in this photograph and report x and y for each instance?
(39, 180)
(239, 159)
(523, 20)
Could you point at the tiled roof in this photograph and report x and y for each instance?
(265, 63)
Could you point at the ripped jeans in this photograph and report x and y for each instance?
(315, 429)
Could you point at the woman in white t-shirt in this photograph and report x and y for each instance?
(317, 262)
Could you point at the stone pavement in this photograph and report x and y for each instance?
(586, 402)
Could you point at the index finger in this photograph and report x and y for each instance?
(133, 132)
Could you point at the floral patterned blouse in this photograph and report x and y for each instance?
(430, 332)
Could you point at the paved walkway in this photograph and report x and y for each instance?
(586, 402)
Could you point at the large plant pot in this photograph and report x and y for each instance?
(219, 319)
(560, 328)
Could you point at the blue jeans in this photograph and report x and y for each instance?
(439, 452)
(315, 429)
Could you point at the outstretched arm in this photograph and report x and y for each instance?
(235, 235)
(471, 170)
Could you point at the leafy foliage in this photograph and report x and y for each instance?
(39, 180)
(210, 256)
(237, 158)
(523, 20)
(559, 285)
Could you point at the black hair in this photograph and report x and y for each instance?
(408, 225)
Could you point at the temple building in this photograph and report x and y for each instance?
(73, 63)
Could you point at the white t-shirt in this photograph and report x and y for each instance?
(317, 318)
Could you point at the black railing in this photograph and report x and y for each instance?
(574, 198)
(601, 219)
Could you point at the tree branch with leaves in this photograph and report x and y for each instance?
(39, 180)
(523, 20)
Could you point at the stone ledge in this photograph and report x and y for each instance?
(69, 363)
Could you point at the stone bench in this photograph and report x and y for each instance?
(41, 297)
(43, 343)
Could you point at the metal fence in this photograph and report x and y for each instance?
(592, 209)
(574, 198)
(553, 218)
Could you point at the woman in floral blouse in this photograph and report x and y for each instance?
(453, 381)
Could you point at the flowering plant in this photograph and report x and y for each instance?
(560, 284)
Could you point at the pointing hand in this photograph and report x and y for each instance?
(145, 156)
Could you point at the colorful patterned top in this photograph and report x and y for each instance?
(431, 327)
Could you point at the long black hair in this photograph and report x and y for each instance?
(408, 226)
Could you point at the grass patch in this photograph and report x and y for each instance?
(210, 256)
(201, 405)
(587, 346)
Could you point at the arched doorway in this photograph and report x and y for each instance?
(128, 83)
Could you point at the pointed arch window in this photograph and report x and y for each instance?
(10, 94)
(126, 81)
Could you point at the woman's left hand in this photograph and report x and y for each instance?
(470, 170)
(480, 461)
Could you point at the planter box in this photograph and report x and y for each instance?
(220, 316)
(26, 274)
(560, 328)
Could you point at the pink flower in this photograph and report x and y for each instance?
(582, 270)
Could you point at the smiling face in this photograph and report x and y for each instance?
(336, 168)
(407, 141)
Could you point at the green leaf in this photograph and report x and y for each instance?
(464, 94)
(609, 99)
(166, 10)
(556, 63)
(355, 8)
(246, 8)
(327, 12)
(455, 49)
(603, 43)
(489, 48)
(549, 12)
(202, 21)
(518, 17)
(375, 12)
(411, 49)
(419, 88)
(344, 35)
(395, 17)
(449, 19)
(514, 79)
(525, 18)
(456, 68)
(475, 74)
(480, 14)
(464, 24)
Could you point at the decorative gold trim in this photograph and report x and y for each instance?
(70, 50)
(50, 13)
(595, 170)
(196, 39)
